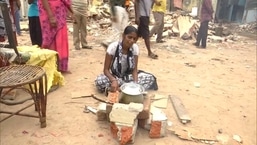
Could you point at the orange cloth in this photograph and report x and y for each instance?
(127, 3)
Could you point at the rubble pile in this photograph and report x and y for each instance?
(179, 24)
(249, 27)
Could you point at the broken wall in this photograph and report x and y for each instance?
(250, 13)
(189, 4)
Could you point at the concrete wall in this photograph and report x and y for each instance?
(250, 16)
(250, 13)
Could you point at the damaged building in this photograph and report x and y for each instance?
(239, 11)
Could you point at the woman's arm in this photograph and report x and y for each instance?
(47, 8)
(135, 70)
(49, 12)
(107, 66)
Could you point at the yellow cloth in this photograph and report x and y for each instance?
(161, 8)
(47, 59)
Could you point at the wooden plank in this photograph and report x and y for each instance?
(181, 111)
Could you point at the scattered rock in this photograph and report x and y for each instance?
(237, 138)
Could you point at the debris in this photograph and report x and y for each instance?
(219, 31)
(160, 101)
(237, 138)
(198, 135)
(101, 112)
(197, 84)
(220, 131)
(25, 132)
(91, 109)
(100, 135)
(223, 138)
(183, 25)
(190, 65)
(160, 143)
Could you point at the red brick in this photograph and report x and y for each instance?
(114, 130)
(126, 135)
(158, 129)
(113, 97)
(123, 133)
(155, 130)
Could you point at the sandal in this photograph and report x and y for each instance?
(87, 47)
(66, 72)
(153, 56)
(160, 41)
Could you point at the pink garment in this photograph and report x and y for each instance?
(56, 38)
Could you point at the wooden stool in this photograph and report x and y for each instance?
(33, 80)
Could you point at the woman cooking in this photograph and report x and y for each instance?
(120, 65)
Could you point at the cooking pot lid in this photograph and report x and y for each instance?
(132, 89)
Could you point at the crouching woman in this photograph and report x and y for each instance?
(120, 65)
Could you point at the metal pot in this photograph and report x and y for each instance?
(131, 92)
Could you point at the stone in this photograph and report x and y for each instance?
(122, 113)
(101, 112)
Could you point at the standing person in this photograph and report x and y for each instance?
(34, 23)
(52, 15)
(142, 13)
(206, 16)
(121, 62)
(80, 8)
(120, 19)
(159, 8)
(16, 10)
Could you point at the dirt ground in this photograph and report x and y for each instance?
(225, 100)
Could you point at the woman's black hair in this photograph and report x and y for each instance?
(129, 29)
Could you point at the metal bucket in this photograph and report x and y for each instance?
(131, 92)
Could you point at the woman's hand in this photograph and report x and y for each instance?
(53, 21)
(73, 18)
(114, 85)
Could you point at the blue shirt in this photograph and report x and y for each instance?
(33, 9)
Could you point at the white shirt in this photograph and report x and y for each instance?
(111, 50)
(113, 46)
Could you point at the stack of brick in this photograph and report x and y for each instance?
(113, 97)
(124, 122)
(158, 123)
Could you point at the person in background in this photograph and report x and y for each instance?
(121, 62)
(159, 8)
(142, 14)
(80, 8)
(16, 10)
(52, 15)
(205, 16)
(34, 23)
(120, 19)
